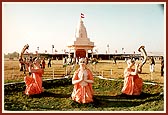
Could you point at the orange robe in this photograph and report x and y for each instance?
(34, 83)
(82, 94)
(132, 83)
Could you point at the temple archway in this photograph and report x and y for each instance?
(81, 53)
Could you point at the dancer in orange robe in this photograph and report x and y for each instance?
(132, 82)
(82, 80)
(34, 81)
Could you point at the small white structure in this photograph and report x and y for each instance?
(82, 44)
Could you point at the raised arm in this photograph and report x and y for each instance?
(22, 52)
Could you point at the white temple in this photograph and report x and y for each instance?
(82, 44)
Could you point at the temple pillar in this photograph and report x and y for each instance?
(69, 53)
(86, 53)
(74, 53)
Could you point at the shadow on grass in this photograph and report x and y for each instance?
(124, 96)
(120, 68)
(50, 94)
(120, 100)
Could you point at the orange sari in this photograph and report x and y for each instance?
(132, 83)
(34, 83)
(82, 94)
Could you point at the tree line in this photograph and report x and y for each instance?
(11, 55)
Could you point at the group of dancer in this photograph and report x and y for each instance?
(83, 80)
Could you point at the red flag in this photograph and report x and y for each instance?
(82, 15)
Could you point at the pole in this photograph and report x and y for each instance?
(53, 73)
(13, 73)
(52, 48)
(102, 73)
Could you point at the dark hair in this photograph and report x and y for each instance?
(132, 60)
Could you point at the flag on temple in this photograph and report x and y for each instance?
(82, 15)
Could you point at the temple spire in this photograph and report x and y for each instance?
(82, 46)
(81, 30)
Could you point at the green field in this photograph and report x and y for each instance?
(107, 97)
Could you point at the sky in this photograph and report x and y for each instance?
(124, 27)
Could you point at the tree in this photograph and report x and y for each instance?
(11, 55)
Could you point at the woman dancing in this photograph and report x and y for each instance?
(34, 81)
(132, 82)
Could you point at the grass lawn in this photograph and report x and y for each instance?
(107, 97)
